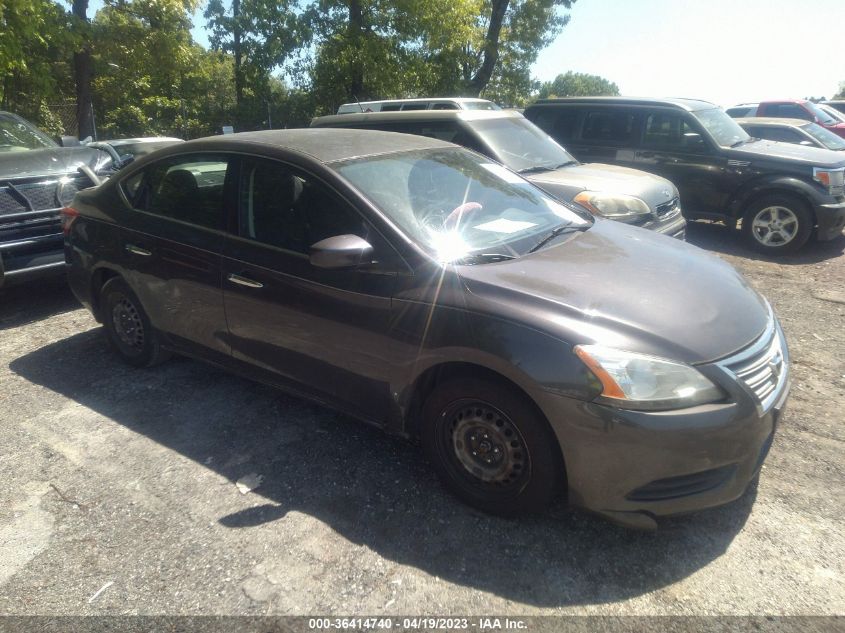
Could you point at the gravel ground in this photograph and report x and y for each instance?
(119, 493)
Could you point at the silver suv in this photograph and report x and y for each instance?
(619, 193)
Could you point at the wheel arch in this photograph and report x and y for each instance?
(782, 186)
(98, 280)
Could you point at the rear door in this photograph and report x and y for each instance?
(323, 332)
(170, 246)
(607, 135)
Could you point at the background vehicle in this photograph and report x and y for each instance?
(742, 110)
(836, 104)
(618, 193)
(428, 290)
(782, 193)
(792, 131)
(831, 111)
(436, 103)
(137, 147)
(801, 109)
(37, 178)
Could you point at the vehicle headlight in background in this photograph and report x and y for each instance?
(613, 206)
(637, 381)
(831, 179)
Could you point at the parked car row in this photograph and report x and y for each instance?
(532, 347)
(781, 194)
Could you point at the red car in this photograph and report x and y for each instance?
(800, 109)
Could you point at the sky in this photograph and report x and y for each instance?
(724, 51)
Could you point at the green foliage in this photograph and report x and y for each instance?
(578, 85)
(841, 93)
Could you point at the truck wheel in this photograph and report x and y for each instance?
(127, 326)
(490, 447)
(777, 224)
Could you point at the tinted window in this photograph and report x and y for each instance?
(445, 106)
(784, 135)
(415, 106)
(670, 130)
(290, 210)
(788, 111)
(615, 126)
(186, 188)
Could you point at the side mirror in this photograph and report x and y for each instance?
(807, 143)
(693, 139)
(69, 141)
(341, 251)
(125, 160)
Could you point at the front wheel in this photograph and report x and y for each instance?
(127, 326)
(490, 447)
(777, 224)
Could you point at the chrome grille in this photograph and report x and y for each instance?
(667, 209)
(762, 368)
(20, 197)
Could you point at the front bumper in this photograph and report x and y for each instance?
(632, 466)
(830, 220)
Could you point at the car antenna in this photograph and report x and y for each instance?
(358, 102)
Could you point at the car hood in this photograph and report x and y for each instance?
(51, 161)
(816, 156)
(653, 190)
(628, 288)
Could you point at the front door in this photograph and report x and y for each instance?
(675, 147)
(324, 332)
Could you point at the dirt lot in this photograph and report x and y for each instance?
(119, 492)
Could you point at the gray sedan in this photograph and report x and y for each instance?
(532, 348)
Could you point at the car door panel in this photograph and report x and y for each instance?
(326, 330)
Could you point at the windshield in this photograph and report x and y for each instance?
(724, 130)
(16, 134)
(825, 137)
(833, 113)
(820, 114)
(457, 204)
(520, 144)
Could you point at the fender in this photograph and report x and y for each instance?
(765, 185)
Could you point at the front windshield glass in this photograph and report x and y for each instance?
(820, 114)
(457, 204)
(17, 135)
(825, 137)
(724, 130)
(833, 113)
(520, 144)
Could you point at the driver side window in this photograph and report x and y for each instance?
(288, 209)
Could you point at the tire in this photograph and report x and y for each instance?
(127, 326)
(777, 224)
(490, 447)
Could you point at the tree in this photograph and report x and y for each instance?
(841, 93)
(578, 85)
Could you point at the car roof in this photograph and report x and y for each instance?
(681, 103)
(421, 100)
(773, 121)
(325, 145)
(415, 115)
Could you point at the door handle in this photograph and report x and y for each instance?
(244, 281)
(137, 250)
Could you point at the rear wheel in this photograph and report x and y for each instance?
(490, 447)
(777, 224)
(127, 326)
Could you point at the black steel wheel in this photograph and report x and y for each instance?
(127, 327)
(491, 448)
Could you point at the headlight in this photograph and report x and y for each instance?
(613, 206)
(831, 179)
(637, 381)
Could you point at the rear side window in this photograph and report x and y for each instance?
(777, 134)
(788, 111)
(185, 188)
(445, 106)
(559, 123)
(615, 126)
